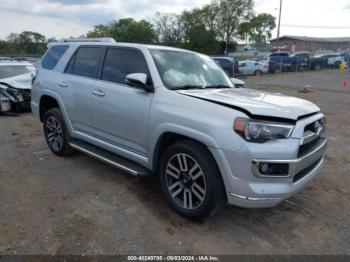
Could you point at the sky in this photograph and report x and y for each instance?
(65, 18)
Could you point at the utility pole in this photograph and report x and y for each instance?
(279, 26)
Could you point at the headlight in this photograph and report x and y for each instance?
(259, 132)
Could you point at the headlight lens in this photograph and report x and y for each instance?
(260, 132)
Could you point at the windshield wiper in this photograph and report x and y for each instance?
(186, 87)
(218, 86)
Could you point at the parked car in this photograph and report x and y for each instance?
(252, 68)
(282, 61)
(229, 64)
(321, 61)
(150, 110)
(15, 85)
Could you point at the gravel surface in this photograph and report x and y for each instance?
(78, 205)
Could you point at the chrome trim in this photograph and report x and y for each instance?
(309, 138)
(295, 165)
(99, 157)
(254, 198)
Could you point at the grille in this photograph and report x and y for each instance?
(305, 171)
(309, 147)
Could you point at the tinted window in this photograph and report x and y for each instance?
(121, 62)
(86, 62)
(69, 67)
(243, 65)
(52, 56)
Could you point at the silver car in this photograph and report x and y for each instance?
(153, 110)
(252, 68)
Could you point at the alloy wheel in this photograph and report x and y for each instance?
(54, 133)
(185, 181)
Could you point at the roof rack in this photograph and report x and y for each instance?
(103, 39)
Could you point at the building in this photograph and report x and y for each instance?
(311, 44)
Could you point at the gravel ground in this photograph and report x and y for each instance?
(78, 205)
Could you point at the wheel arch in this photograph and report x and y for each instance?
(168, 138)
(46, 103)
(49, 100)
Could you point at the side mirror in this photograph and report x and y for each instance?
(237, 82)
(138, 80)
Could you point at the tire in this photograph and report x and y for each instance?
(194, 188)
(258, 73)
(56, 133)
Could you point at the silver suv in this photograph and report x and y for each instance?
(175, 113)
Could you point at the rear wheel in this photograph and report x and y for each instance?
(56, 133)
(190, 180)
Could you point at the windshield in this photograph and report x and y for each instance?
(13, 70)
(180, 69)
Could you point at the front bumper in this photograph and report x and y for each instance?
(246, 187)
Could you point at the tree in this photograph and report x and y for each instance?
(168, 28)
(126, 30)
(231, 13)
(99, 31)
(260, 27)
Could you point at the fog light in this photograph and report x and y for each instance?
(273, 169)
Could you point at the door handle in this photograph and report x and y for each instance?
(63, 84)
(99, 93)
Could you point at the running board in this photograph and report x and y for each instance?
(110, 158)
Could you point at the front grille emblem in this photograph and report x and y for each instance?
(318, 128)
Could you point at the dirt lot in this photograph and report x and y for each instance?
(78, 205)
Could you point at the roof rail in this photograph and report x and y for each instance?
(103, 39)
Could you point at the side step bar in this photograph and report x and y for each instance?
(110, 158)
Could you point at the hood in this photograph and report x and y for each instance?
(256, 103)
(20, 82)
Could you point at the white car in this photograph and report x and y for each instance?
(15, 85)
(252, 68)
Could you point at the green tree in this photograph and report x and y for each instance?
(231, 13)
(126, 30)
(100, 31)
(260, 27)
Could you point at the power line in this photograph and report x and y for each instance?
(317, 26)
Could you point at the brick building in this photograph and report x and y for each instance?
(311, 44)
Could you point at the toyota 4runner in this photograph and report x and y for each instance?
(158, 110)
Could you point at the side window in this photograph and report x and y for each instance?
(86, 62)
(69, 67)
(120, 62)
(52, 56)
(243, 65)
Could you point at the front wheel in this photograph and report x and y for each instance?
(190, 180)
(56, 133)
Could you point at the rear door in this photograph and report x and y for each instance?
(78, 82)
(120, 112)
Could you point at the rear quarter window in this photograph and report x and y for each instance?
(53, 55)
